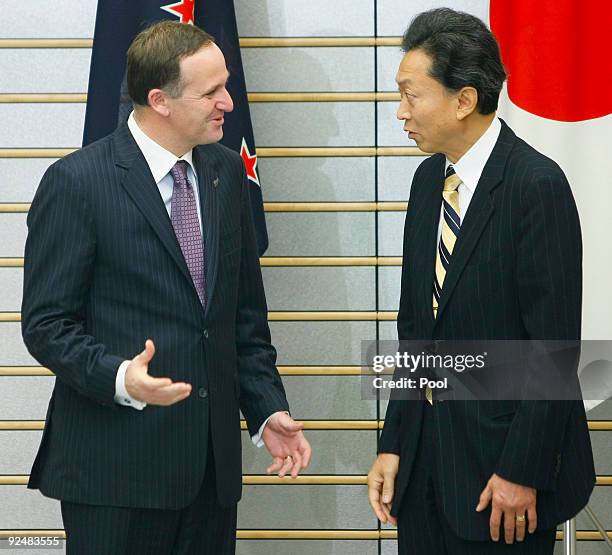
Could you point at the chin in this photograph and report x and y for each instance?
(212, 138)
(424, 146)
(217, 136)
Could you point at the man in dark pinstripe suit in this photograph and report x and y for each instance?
(144, 235)
(492, 251)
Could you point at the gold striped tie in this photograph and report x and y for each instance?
(451, 223)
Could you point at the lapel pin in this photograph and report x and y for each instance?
(215, 181)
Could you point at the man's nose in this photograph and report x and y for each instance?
(227, 104)
(402, 112)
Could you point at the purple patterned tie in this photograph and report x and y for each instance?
(184, 217)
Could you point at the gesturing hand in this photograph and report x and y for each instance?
(286, 443)
(153, 391)
(514, 502)
(381, 483)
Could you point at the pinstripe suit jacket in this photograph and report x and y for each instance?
(516, 273)
(103, 272)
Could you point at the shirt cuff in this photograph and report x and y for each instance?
(256, 439)
(122, 397)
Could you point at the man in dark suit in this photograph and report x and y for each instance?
(492, 251)
(144, 235)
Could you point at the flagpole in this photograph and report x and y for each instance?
(569, 537)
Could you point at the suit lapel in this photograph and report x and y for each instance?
(478, 214)
(139, 184)
(209, 184)
(427, 221)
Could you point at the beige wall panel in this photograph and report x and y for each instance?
(319, 507)
(388, 59)
(328, 398)
(321, 343)
(18, 450)
(295, 124)
(11, 289)
(12, 350)
(35, 19)
(25, 398)
(299, 18)
(41, 125)
(390, 233)
(325, 288)
(19, 177)
(26, 508)
(309, 69)
(389, 282)
(321, 234)
(395, 175)
(51, 70)
(395, 15)
(316, 179)
(390, 129)
(602, 411)
(307, 547)
(334, 452)
(13, 231)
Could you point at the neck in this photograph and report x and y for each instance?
(157, 131)
(474, 127)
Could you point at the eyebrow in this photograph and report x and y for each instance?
(406, 81)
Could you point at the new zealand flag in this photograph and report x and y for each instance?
(108, 103)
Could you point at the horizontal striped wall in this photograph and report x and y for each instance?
(336, 170)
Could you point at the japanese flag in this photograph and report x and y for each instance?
(559, 99)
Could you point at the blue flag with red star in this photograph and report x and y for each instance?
(108, 103)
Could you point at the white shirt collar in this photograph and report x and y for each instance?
(470, 166)
(159, 160)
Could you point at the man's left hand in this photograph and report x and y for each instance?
(515, 502)
(286, 443)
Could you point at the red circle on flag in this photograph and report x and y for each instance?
(557, 56)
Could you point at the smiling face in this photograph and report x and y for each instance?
(196, 115)
(429, 111)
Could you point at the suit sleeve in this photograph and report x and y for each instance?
(59, 258)
(390, 440)
(549, 276)
(261, 389)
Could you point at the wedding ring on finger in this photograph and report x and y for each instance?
(520, 518)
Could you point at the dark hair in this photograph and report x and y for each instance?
(153, 58)
(463, 52)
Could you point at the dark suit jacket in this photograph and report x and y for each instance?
(104, 272)
(516, 273)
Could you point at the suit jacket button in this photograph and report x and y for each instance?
(205, 334)
(203, 392)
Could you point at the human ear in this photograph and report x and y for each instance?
(158, 101)
(467, 100)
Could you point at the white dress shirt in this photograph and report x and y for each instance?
(160, 162)
(469, 168)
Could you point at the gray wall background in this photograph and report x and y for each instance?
(328, 397)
